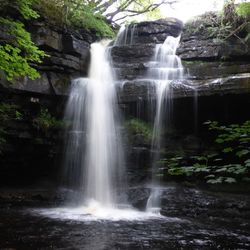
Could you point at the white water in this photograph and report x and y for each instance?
(126, 35)
(94, 211)
(165, 67)
(94, 160)
(94, 155)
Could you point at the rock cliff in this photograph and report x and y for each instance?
(28, 153)
(68, 58)
(212, 66)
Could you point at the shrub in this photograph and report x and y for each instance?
(45, 122)
(76, 15)
(8, 112)
(137, 127)
(17, 51)
(231, 164)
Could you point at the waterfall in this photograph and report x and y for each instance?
(94, 156)
(126, 35)
(165, 67)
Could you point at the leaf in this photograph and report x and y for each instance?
(227, 150)
(230, 180)
(219, 140)
(210, 176)
(247, 163)
(242, 152)
(223, 169)
(218, 159)
(201, 158)
(212, 156)
(215, 181)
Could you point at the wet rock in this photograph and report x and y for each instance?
(75, 46)
(138, 197)
(156, 31)
(46, 38)
(195, 49)
(68, 57)
(129, 60)
(132, 54)
(40, 85)
(135, 90)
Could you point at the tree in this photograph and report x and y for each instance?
(17, 51)
(116, 11)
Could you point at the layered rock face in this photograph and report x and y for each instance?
(68, 57)
(216, 66)
(216, 86)
(29, 154)
(212, 65)
(130, 59)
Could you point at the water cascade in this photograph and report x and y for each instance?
(163, 70)
(126, 35)
(94, 160)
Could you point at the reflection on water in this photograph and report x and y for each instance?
(52, 229)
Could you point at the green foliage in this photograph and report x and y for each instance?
(45, 122)
(243, 9)
(231, 165)
(17, 51)
(8, 112)
(85, 18)
(137, 127)
(25, 7)
(76, 14)
(235, 134)
(15, 58)
(232, 22)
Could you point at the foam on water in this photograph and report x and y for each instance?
(94, 211)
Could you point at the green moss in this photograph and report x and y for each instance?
(243, 9)
(8, 112)
(77, 16)
(138, 128)
(45, 122)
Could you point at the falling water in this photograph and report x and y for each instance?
(126, 35)
(195, 111)
(94, 155)
(165, 68)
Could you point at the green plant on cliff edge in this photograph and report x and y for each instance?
(17, 51)
(45, 121)
(233, 21)
(8, 112)
(137, 127)
(76, 14)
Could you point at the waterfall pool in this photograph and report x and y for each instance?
(194, 220)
